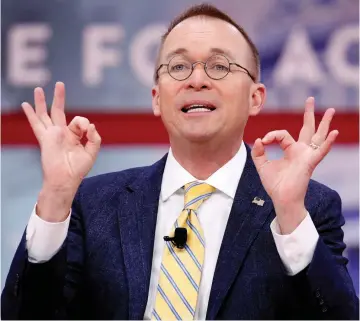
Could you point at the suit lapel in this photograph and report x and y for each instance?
(137, 221)
(245, 221)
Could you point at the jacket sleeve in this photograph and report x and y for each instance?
(47, 290)
(330, 285)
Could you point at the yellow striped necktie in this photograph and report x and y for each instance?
(180, 273)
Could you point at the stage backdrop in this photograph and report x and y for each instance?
(105, 52)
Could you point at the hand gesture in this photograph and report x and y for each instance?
(286, 179)
(65, 160)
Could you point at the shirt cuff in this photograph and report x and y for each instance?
(44, 239)
(296, 250)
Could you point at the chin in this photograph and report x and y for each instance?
(198, 137)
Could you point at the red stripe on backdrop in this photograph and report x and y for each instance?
(148, 129)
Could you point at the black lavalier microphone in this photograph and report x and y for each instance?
(179, 239)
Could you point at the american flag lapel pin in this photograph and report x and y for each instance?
(258, 201)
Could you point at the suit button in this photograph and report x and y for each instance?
(317, 293)
(321, 301)
(324, 309)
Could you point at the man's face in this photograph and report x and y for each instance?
(230, 100)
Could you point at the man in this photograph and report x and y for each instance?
(248, 238)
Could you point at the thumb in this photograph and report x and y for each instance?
(258, 154)
(94, 141)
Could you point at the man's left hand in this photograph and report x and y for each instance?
(286, 180)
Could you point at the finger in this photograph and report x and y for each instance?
(258, 154)
(40, 107)
(281, 136)
(325, 146)
(35, 123)
(324, 126)
(92, 146)
(308, 129)
(58, 105)
(79, 126)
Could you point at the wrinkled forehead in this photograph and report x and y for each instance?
(200, 37)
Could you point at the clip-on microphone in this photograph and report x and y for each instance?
(179, 239)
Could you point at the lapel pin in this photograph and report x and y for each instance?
(258, 201)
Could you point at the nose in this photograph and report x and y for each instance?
(198, 80)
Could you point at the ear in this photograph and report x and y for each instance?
(257, 99)
(156, 100)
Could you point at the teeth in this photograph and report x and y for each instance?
(198, 109)
(196, 106)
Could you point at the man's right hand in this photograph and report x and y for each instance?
(65, 160)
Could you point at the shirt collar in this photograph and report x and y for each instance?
(225, 179)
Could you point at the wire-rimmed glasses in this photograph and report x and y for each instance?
(216, 67)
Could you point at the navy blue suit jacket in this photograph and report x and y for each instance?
(103, 269)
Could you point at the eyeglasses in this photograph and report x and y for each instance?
(216, 67)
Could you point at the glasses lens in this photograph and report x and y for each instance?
(217, 67)
(179, 67)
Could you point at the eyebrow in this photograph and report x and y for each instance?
(183, 51)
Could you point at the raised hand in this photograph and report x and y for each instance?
(286, 179)
(65, 160)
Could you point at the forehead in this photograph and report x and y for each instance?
(200, 35)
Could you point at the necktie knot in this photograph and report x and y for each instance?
(196, 193)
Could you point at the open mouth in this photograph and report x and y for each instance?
(197, 108)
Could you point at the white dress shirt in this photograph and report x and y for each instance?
(296, 249)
